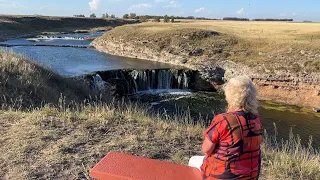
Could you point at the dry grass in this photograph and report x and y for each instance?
(25, 84)
(52, 144)
(273, 45)
(64, 144)
(12, 27)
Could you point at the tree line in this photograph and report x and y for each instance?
(166, 18)
(246, 19)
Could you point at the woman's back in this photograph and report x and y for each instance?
(237, 136)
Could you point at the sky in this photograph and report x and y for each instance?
(299, 10)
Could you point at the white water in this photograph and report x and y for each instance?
(166, 91)
(50, 38)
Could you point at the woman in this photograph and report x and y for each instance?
(232, 142)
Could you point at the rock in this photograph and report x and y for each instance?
(196, 52)
(184, 61)
(316, 110)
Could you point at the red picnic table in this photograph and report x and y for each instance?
(119, 166)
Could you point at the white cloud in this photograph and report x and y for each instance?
(139, 6)
(173, 4)
(44, 7)
(295, 14)
(11, 4)
(283, 14)
(199, 10)
(94, 4)
(241, 11)
(160, 1)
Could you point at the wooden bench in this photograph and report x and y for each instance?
(118, 166)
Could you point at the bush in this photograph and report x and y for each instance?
(132, 15)
(166, 18)
(143, 18)
(126, 16)
(93, 15)
(157, 19)
(172, 19)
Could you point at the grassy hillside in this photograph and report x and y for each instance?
(53, 144)
(16, 26)
(272, 45)
(58, 141)
(23, 83)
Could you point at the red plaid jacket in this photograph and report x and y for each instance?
(237, 155)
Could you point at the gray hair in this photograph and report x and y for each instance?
(241, 93)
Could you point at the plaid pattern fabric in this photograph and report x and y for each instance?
(237, 155)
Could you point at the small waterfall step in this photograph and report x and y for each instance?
(129, 82)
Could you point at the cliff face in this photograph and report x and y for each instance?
(278, 84)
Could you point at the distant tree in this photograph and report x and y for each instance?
(113, 16)
(271, 19)
(80, 15)
(235, 19)
(93, 15)
(126, 16)
(156, 19)
(190, 17)
(106, 15)
(143, 18)
(132, 15)
(172, 19)
(166, 18)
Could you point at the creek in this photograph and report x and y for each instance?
(166, 88)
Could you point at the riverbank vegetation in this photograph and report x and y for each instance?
(58, 140)
(66, 143)
(26, 84)
(13, 27)
(285, 46)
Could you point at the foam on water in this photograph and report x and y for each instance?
(166, 91)
(48, 38)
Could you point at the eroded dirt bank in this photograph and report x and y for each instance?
(294, 81)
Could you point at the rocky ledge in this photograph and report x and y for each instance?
(295, 88)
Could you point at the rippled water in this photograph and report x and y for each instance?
(68, 61)
(206, 104)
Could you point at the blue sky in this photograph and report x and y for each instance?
(297, 9)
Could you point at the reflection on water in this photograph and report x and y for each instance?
(75, 61)
(207, 104)
(69, 61)
(79, 39)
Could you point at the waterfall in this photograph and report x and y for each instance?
(129, 82)
(98, 84)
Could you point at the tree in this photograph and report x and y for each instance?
(93, 15)
(80, 15)
(166, 18)
(157, 19)
(126, 16)
(172, 19)
(113, 16)
(132, 15)
(143, 18)
(107, 15)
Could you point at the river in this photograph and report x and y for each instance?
(77, 61)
